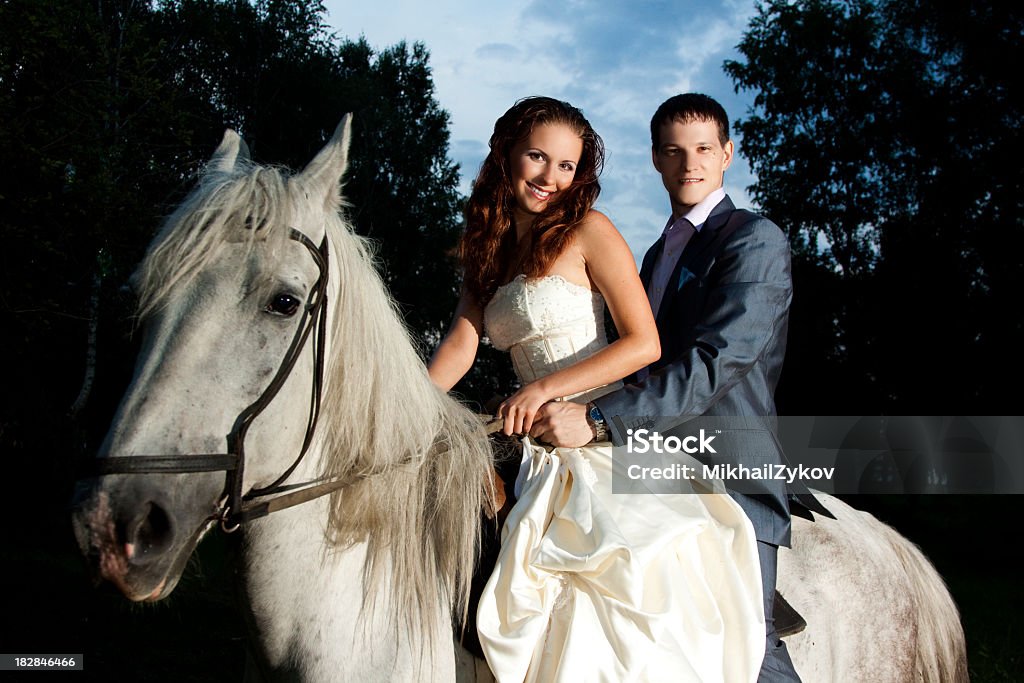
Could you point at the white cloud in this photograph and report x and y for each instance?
(616, 61)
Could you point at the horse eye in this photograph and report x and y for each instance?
(283, 304)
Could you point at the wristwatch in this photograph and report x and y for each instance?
(596, 421)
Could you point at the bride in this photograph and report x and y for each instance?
(589, 585)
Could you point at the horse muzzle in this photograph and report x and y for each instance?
(136, 536)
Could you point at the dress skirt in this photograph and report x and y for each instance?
(596, 586)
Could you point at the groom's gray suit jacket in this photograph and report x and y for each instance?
(722, 324)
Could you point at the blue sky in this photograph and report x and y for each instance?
(615, 60)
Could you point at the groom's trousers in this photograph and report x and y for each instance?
(777, 667)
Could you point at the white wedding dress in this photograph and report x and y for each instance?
(595, 586)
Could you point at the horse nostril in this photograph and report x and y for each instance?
(152, 535)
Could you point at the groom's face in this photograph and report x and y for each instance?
(691, 160)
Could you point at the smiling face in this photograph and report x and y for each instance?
(542, 165)
(691, 160)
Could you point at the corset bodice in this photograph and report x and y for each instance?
(546, 324)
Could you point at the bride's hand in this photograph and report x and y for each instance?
(520, 409)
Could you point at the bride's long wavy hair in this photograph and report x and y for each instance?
(487, 249)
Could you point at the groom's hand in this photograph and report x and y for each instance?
(562, 423)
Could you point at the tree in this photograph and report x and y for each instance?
(886, 137)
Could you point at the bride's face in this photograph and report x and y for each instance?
(543, 165)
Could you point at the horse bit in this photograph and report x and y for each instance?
(236, 508)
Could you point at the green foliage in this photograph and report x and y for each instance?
(886, 138)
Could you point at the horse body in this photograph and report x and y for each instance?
(876, 609)
(361, 584)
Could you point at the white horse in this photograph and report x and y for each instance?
(360, 581)
(244, 316)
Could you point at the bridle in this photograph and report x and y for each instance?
(236, 508)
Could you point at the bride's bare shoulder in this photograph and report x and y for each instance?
(596, 231)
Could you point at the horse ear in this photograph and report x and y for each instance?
(323, 174)
(228, 151)
(243, 151)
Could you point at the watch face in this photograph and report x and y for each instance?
(595, 414)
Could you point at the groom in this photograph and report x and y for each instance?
(719, 284)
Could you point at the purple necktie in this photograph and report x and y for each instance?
(677, 236)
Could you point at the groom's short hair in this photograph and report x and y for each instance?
(686, 108)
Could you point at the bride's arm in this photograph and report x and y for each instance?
(611, 267)
(457, 351)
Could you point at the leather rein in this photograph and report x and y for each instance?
(236, 508)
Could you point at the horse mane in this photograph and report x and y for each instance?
(424, 455)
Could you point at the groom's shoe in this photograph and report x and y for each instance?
(787, 620)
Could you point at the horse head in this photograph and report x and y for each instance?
(228, 372)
